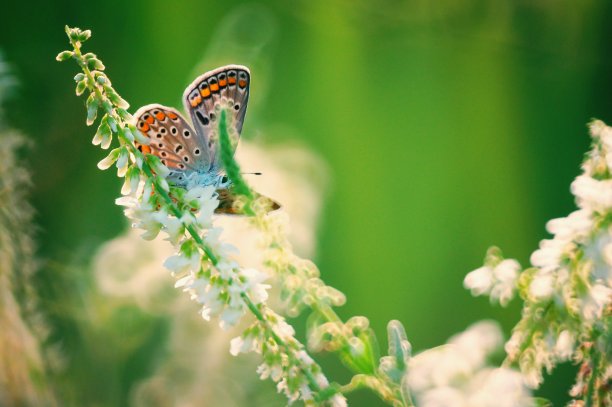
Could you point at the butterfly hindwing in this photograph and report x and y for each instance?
(173, 140)
(227, 199)
(227, 88)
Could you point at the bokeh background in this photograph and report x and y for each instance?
(443, 128)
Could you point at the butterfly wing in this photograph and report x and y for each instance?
(173, 140)
(225, 87)
(227, 199)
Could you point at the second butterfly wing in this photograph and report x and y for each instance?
(222, 88)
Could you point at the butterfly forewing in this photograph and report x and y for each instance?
(223, 88)
(173, 140)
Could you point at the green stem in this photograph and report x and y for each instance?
(260, 317)
(595, 355)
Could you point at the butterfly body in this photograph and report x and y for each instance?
(193, 153)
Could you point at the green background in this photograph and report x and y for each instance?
(447, 127)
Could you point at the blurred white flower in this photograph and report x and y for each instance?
(456, 374)
(597, 297)
(499, 281)
(564, 348)
(569, 288)
(592, 194)
(542, 286)
(479, 281)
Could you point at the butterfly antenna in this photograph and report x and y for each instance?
(251, 173)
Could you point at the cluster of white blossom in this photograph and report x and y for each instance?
(457, 374)
(224, 289)
(567, 293)
(497, 278)
(218, 287)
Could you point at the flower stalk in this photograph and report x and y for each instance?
(231, 286)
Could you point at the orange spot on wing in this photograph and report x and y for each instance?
(205, 92)
(172, 115)
(232, 81)
(145, 149)
(196, 101)
(242, 83)
(214, 87)
(222, 83)
(150, 119)
(160, 116)
(144, 127)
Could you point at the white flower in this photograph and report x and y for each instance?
(564, 348)
(222, 249)
(498, 388)
(141, 213)
(601, 130)
(207, 201)
(478, 341)
(230, 317)
(258, 292)
(598, 296)
(592, 194)
(244, 344)
(550, 253)
(479, 281)
(171, 225)
(599, 251)
(506, 274)
(499, 282)
(283, 329)
(338, 401)
(542, 285)
(437, 367)
(181, 263)
(456, 375)
(444, 396)
(576, 224)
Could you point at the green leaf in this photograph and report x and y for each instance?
(399, 347)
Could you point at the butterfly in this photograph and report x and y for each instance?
(192, 152)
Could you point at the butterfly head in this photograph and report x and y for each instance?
(205, 178)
